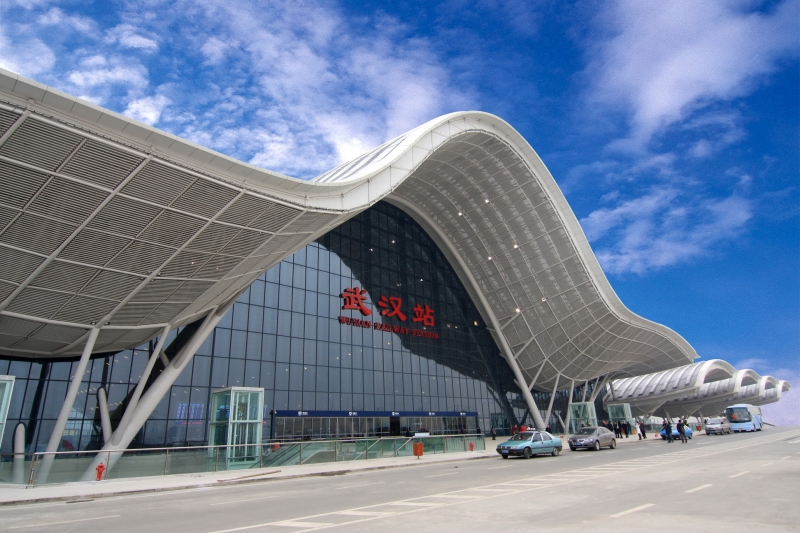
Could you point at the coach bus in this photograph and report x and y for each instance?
(744, 417)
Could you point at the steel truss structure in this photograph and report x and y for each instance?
(113, 233)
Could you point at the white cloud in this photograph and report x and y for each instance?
(130, 37)
(785, 412)
(101, 71)
(214, 49)
(660, 229)
(668, 60)
(147, 109)
(28, 56)
(56, 17)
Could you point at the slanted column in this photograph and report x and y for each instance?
(66, 407)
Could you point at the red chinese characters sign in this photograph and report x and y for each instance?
(355, 298)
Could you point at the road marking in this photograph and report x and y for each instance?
(460, 496)
(66, 522)
(629, 511)
(701, 487)
(496, 467)
(447, 474)
(292, 523)
(787, 457)
(767, 464)
(362, 485)
(739, 474)
(795, 441)
(362, 513)
(247, 500)
(416, 504)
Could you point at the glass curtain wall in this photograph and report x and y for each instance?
(284, 334)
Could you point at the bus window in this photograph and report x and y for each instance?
(738, 414)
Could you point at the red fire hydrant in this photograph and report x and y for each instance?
(100, 469)
(472, 446)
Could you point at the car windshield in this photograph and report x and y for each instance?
(738, 414)
(522, 436)
(585, 431)
(715, 421)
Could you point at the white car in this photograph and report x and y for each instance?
(718, 426)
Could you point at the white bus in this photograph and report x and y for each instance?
(744, 417)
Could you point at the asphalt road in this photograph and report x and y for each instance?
(731, 483)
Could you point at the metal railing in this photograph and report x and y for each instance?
(72, 466)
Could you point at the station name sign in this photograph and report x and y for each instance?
(355, 298)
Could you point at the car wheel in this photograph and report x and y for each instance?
(572, 448)
(505, 457)
(597, 445)
(555, 452)
(527, 453)
(613, 444)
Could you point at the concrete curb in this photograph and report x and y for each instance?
(259, 478)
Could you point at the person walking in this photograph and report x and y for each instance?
(625, 427)
(494, 433)
(682, 430)
(617, 432)
(642, 430)
(668, 428)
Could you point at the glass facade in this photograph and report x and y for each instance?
(289, 334)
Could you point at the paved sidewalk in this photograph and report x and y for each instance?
(17, 494)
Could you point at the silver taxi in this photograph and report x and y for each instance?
(718, 426)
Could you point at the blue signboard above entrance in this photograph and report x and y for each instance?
(336, 414)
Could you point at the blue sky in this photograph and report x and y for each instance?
(672, 127)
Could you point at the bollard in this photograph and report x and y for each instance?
(472, 446)
(100, 469)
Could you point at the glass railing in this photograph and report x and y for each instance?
(66, 467)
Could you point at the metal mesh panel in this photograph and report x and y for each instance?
(164, 313)
(157, 290)
(172, 229)
(142, 258)
(17, 326)
(38, 302)
(16, 266)
(64, 276)
(204, 198)
(213, 238)
(19, 184)
(113, 285)
(124, 216)
(37, 233)
(245, 210)
(158, 183)
(39, 144)
(7, 118)
(84, 310)
(101, 164)
(190, 291)
(185, 264)
(133, 313)
(244, 243)
(55, 332)
(67, 200)
(93, 247)
(275, 218)
(217, 267)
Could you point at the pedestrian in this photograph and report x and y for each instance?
(514, 429)
(494, 433)
(642, 430)
(627, 429)
(547, 428)
(523, 427)
(682, 430)
(668, 428)
(617, 431)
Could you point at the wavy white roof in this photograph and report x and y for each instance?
(152, 230)
(707, 388)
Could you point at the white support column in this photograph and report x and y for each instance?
(585, 386)
(552, 397)
(105, 418)
(18, 475)
(66, 407)
(569, 403)
(150, 399)
(137, 393)
(598, 388)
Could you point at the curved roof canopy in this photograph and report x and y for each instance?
(108, 223)
(708, 388)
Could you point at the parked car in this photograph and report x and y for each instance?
(529, 443)
(592, 437)
(718, 426)
(675, 434)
